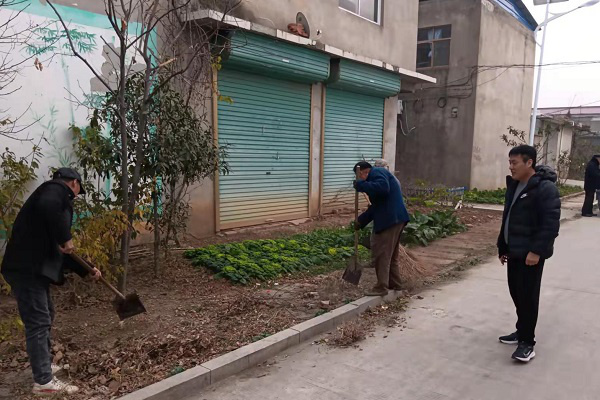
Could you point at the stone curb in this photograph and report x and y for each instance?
(195, 379)
(570, 196)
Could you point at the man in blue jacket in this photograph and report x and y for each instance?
(389, 216)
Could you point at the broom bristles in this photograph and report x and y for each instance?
(411, 269)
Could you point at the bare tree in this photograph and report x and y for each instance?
(14, 34)
(162, 42)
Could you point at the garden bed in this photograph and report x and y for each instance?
(192, 316)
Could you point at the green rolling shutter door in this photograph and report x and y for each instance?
(267, 128)
(353, 131)
(354, 109)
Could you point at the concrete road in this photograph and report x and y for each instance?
(449, 349)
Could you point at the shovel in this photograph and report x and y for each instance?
(125, 306)
(353, 270)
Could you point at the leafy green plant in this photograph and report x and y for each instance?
(485, 196)
(17, 173)
(271, 258)
(425, 228)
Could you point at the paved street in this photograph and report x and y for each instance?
(450, 349)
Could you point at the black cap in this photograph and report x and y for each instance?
(69, 173)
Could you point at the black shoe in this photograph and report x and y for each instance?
(589, 215)
(524, 352)
(513, 338)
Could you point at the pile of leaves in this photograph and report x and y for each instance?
(268, 259)
(497, 196)
(425, 228)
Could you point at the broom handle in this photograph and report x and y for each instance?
(367, 198)
(89, 268)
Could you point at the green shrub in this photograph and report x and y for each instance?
(485, 196)
(425, 228)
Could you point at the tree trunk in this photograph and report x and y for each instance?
(156, 232)
(125, 239)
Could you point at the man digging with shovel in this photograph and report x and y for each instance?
(34, 259)
(389, 216)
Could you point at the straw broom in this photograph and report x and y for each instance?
(412, 271)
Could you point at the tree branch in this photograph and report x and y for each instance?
(75, 52)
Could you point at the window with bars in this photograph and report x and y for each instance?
(368, 9)
(433, 46)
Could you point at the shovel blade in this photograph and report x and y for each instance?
(131, 306)
(353, 272)
(352, 276)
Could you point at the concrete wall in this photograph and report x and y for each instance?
(439, 149)
(47, 100)
(503, 96)
(392, 41)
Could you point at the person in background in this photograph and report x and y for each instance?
(530, 224)
(382, 163)
(389, 216)
(591, 184)
(34, 259)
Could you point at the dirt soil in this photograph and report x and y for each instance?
(191, 316)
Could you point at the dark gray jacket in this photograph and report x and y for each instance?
(43, 223)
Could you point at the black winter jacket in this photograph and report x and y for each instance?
(592, 175)
(534, 218)
(43, 223)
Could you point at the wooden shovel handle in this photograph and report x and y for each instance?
(90, 269)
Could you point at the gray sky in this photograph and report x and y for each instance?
(573, 37)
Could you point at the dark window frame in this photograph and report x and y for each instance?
(432, 42)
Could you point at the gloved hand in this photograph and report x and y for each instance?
(357, 226)
(354, 184)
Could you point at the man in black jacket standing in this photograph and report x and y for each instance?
(530, 224)
(591, 184)
(33, 260)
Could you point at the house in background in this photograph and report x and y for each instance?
(304, 109)
(449, 132)
(556, 134)
(585, 123)
(582, 116)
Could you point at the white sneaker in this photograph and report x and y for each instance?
(53, 387)
(56, 369)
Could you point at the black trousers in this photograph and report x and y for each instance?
(524, 283)
(588, 203)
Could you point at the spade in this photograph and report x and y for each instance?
(125, 306)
